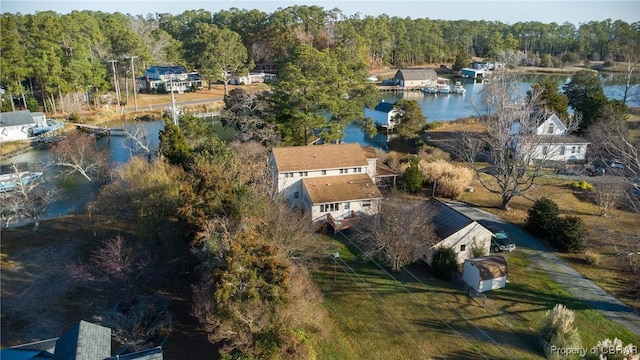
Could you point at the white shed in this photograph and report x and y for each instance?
(485, 273)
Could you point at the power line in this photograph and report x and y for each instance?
(438, 297)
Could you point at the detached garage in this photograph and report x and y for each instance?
(485, 273)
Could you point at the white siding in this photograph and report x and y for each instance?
(560, 152)
(471, 276)
(342, 212)
(465, 237)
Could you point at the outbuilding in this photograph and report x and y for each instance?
(485, 273)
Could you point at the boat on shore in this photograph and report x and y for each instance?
(9, 182)
(48, 126)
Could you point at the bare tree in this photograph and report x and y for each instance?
(399, 235)
(607, 195)
(26, 195)
(138, 141)
(79, 154)
(611, 139)
(510, 144)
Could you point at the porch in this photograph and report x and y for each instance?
(344, 223)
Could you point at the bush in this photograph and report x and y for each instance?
(450, 180)
(570, 234)
(543, 216)
(614, 350)
(558, 331)
(444, 262)
(411, 179)
(582, 185)
(478, 249)
(591, 257)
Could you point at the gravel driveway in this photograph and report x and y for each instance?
(582, 289)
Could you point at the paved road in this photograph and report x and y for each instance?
(582, 289)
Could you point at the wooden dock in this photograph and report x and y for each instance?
(99, 131)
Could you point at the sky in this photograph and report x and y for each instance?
(505, 11)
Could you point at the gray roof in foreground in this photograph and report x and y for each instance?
(16, 118)
(446, 220)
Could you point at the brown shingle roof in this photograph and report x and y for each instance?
(316, 157)
(490, 266)
(328, 189)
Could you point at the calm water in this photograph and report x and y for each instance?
(76, 191)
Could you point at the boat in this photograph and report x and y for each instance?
(459, 88)
(8, 182)
(443, 88)
(429, 90)
(48, 126)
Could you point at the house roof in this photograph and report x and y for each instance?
(328, 189)
(24, 354)
(16, 118)
(446, 220)
(168, 70)
(84, 341)
(316, 157)
(490, 266)
(416, 74)
(384, 107)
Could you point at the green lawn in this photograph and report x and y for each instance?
(379, 315)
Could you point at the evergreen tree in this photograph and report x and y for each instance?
(543, 217)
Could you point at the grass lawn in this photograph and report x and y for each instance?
(605, 235)
(411, 315)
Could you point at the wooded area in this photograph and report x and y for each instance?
(64, 59)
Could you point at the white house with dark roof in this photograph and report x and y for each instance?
(456, 230)
(19, 125)
(175, 78)
(554, 144)
(382, 114)
(330, 182)
(415, 78)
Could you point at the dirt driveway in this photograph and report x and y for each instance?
(582, 289)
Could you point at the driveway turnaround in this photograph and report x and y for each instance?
(579, 287)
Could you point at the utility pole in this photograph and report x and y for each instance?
(115, 81)
(174, 111)
(133, 75)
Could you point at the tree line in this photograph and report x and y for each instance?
(50, 55)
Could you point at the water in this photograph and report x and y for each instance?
(75, 190)
(448, 107)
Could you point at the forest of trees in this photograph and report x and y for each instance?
(56, 58)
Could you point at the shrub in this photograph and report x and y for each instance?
(411, 179)
(444, 262)
(570, 234)
(558, 331)
(614, 350)
(582, 185)
(478, 249)
(591, 257)
(432, 153)
(450, 180)
(543, 216)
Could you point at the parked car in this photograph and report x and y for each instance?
(596, 171)
(500, 241)
(616, 164)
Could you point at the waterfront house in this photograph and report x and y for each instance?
(18, 125)
(382, 115)
(553, 143)
(252, 78)
(174, 78)
(332, 183)
(415, 78)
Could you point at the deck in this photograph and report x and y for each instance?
(345, 223)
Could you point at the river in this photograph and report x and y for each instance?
(76, 191)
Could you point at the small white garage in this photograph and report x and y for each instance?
(485, 273)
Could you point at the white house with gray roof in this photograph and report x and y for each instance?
(18, 125)
(457, 231)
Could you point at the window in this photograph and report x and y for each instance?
(573, 149)
(463, 247)
(545, 150)
(579, 149)
(551, 128)
(296, 195)
(330, 207)
(357, 169)
(561, 150)
(366, 203)
(344, 171)
(347, 206)
(304, 173)
(324, 172)
(288, 175)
